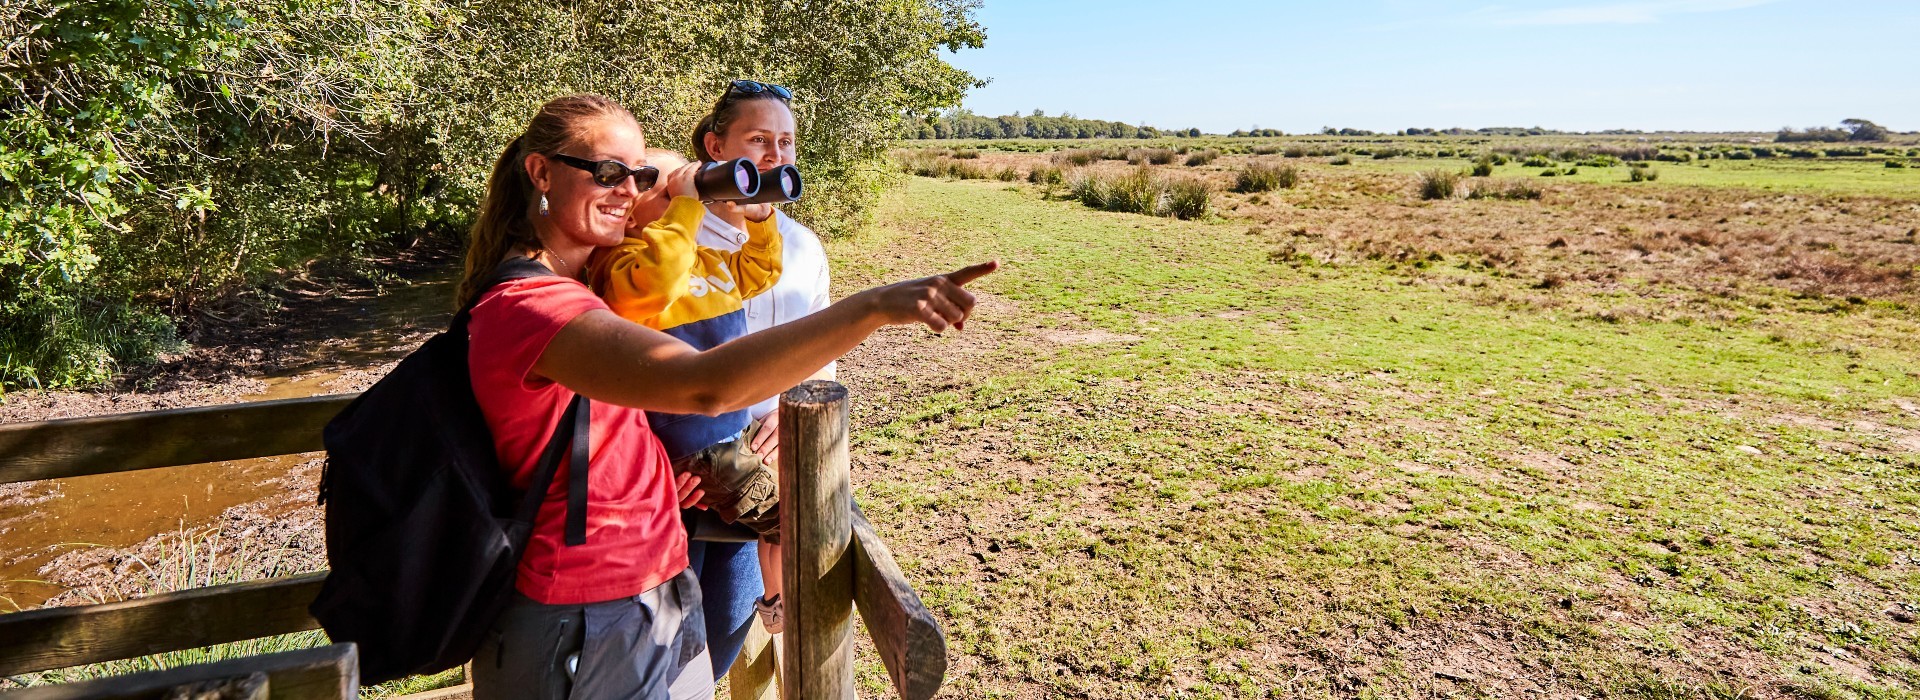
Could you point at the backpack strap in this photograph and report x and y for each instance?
(572, 432)
(577, 476)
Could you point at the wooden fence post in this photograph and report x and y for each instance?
(816, 528)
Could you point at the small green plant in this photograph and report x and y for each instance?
(1342, 159)
(1550, 172)
(1896, 163)
(1482, 166)
(1438, 184)
(1007, 174)
(1538, 161)
(1641, 172)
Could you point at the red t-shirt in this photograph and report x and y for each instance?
(634, 537)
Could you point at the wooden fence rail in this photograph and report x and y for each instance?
(836, 561)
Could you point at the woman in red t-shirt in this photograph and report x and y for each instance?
(618, 616)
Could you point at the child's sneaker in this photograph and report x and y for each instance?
(773, 614)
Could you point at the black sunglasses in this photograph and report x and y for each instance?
(755, 87)
(609, 173)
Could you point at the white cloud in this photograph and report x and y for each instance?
(1617, 13)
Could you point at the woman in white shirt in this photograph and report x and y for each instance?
(753, 120)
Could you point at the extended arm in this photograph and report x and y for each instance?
(612, 360)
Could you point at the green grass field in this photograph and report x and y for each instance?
(1164, 462)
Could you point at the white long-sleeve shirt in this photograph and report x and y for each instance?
(803, 285)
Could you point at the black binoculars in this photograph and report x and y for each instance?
(738, 181)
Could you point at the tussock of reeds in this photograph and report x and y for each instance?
(1143, 191)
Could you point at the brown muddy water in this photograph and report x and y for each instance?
(338, 347)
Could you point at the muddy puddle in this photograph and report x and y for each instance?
(335, 347)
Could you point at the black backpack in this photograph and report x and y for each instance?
(424, 532)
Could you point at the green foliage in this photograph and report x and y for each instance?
(1438, 184)
(1200, 158)
(1482, 166)
(963, 124)
(1342, 159)
(163, 157)
(1641, 172)
(1538, 161)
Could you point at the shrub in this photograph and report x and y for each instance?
(1893, 163)
(1762, 152)
(1263, 177)
(1076, 157)
(1438, 184)
(1046, 175)
(1599, 160)
(1265, 149)
(1160, 156)
(966, 154)
(1200, 158)
(1642, 173)
(1674, 157)
(1510, 189)
(1007, 174)
(1501, 159)
(1296, 151)
(1550, 172)
(1342, 159)
(1739, 154)
(1188, 199)
(1538, 161)
(1385, 153)
(1143, 192)
(1482, 167)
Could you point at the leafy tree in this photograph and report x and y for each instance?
(161, 158)
(1863, 130)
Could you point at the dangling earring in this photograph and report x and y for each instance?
(543, 204)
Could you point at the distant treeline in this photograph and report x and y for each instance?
(962, 124)
(1850, 130)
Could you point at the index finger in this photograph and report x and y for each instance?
(972, 272)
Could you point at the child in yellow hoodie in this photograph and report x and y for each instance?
(658, 277)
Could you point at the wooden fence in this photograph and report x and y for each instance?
(833, 561)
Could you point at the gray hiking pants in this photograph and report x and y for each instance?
(652, 645)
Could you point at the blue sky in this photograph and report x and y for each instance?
(1698, 65)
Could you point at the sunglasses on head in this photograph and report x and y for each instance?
(609, 173)
(755, 87)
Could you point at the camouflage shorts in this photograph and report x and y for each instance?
(738, 486)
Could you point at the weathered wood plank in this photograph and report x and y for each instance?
(907, 636)
(125, 442)
(816, 527)
(753, 673)
(323, 673)
(37, 640)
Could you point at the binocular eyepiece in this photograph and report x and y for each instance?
(738, 181)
